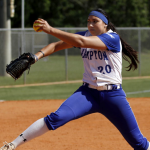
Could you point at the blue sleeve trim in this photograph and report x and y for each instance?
(81, 33)
(111, 40)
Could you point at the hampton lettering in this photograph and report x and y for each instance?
(94, 54)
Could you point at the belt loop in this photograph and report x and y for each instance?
(114, 87)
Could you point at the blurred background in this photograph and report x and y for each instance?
(131, 18)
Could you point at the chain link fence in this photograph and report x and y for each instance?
(67, 64)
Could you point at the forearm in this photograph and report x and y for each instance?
(52, 48)
(47, 50)
(70, 38)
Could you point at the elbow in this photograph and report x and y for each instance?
(79, 42)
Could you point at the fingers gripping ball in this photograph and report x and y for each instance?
(37, 29)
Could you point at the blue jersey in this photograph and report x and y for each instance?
(103, 66)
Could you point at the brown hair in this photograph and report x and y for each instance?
(128, 53)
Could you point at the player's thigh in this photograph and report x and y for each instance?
(79, 104)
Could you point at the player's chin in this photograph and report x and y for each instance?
(92, 31)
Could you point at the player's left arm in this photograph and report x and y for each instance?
(72, 39)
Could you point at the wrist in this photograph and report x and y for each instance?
(36, 58)
(51, 30)
(42, 53)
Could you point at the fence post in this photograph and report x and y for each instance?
(33, 51)
(139, 49)
(66, 64)
(5, 46)
(23, 51)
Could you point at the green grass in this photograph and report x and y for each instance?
(38, 92)
(53, 69)
(143, 69)
(62, 91)
(137, 85)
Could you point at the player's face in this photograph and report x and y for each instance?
(96, 26)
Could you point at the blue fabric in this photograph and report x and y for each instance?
(111, 40)
(81, 33)
(99, 15)
(112, 104)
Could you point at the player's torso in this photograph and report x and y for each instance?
(101, 66)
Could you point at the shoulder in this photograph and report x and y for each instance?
(111, 40)
(110, 35)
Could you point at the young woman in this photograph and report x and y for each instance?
(102, 50)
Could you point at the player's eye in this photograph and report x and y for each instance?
(95, 21)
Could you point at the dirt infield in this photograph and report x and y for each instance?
(92, 132)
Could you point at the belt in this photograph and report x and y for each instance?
(104, 87)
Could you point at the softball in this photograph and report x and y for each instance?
(36, 28)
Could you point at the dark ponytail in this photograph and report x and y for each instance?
(128, 53)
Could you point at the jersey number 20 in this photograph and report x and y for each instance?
(106, 69)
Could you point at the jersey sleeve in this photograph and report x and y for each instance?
(111, 40)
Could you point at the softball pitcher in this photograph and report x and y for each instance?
(101, 50)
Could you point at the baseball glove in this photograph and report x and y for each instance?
(19, 65)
